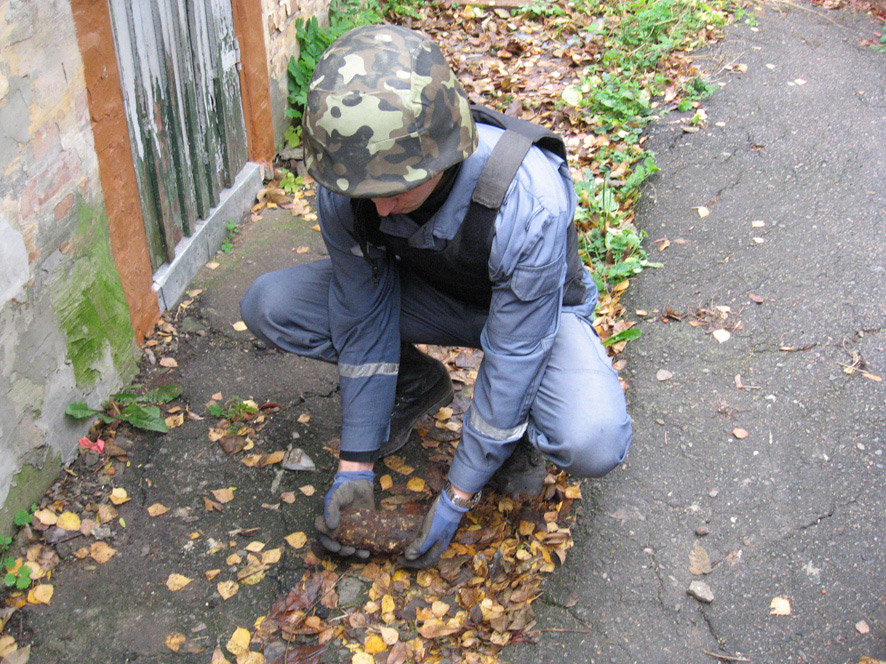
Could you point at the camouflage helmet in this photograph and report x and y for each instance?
(384, 114)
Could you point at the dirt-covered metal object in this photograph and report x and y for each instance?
(378, 531)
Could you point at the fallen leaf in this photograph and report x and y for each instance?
(389, 635)
(779, 606)
(239, 326)
(211, 505)
(385, 482)
(46, 517)
(271, 556)
(361, 657)
(168, 362)
(157, 509)
(416, 484)
(273, 457)
(7, 645)
(739, 433)
(223, 495)
(296, 540)
(119, 496)
(398, 654)
(702, 211)
(663, 374)
(699, 561)
(255, 547)
(721, 335)
(239, 642)
(212, 265)
(304, 418)
(573, 492)
(218, 657)
(374, 644)
(307, 489)
(210, 574)
(862, 627)
(756, 298)
(68, 521)
(227, 589)
(40, 594)
(175, 641)
(177, 581)
(251, 460)
(302, 250)
(96, 446)
(101, 552)
(288, 497)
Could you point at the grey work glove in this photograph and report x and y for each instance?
(351, 489)
(437, 532)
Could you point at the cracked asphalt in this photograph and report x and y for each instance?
(792, 168)
(791, 165)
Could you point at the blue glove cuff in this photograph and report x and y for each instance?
(353, 476)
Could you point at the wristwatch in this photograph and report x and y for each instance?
(458, 501)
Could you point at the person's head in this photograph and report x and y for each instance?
(385, 116)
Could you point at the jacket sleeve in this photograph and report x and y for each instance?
(364, 319)
(523, 321)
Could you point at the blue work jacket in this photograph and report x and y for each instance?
(527, 268)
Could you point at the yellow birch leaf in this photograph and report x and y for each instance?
(385, 482)
(177, 581)
(7, 645)
(361, 657)
(304, 418)
(168, 362)
(573, 492)
(702, 211)
(46, 517)
(374, 644)
(157, 509)
(227, 589)
(40, 594)
(233, 559)
(721, 335)
(210, 574)
(239, 326)
(288, 497)
(251, 658)
(239, 642)
(389, 635)
(416, 484)
(739, 433)
(308, 490)
(296, 540)
(779, 606)
(387, 604)
(273, 457)
(255, 547)
(218, 657)
(100, 552)
(68, 521)
(271, 556)
(175, 641)
(106, 513)
(251, 460)
(119, 496)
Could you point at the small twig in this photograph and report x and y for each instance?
(726, 657)
(561, 630)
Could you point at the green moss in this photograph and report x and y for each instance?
(27, 488)
(88, 297)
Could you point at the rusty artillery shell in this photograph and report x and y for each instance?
(378, 531)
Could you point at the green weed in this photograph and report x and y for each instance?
(228, 243)
(234, 410)
(131, 408)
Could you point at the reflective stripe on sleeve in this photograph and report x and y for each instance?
(495, 433)
(367, 370)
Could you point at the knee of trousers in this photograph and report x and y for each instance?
(590, 447)
(257, 307)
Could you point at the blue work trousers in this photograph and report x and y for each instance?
(578, 419)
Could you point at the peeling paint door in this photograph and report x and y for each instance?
(181, 90)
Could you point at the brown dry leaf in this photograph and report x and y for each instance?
(157, 509)
(176, 581)
(168, 362)
(416, 484)
(389, 635)
(307, 489)
(288, 497)
(699, 561)
(239, 642)
(101, 553)
(296, 540)
(251, 460)
(68, 521)
(739, 433)
(175, 641)
(7, 645)
(755, 298)
(779, 606)
(223, 495)
(434, 629)
(119, 496)
(273, 457)
(175, 421)
(398, 654)
(573, 492)
(304, 418)
(397, 464)
(227, 589)
(211, 505)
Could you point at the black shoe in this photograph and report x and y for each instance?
(523, 473)
(423, 387)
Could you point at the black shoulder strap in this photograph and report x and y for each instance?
(478, 226)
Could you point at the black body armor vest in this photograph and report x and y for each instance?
(460, 267)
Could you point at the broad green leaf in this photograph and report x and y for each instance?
(163, 394)
(79, 410)
(625, 335)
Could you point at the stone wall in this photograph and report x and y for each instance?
(281, 44)
(65, 331)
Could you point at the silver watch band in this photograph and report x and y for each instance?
(457, 500)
